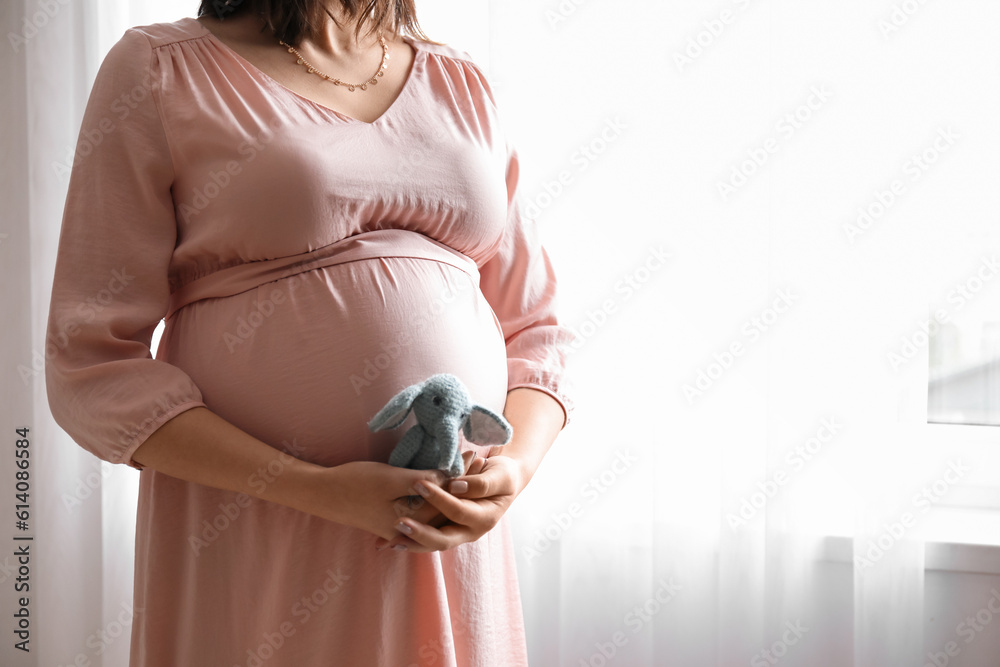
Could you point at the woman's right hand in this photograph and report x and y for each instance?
(199, 446)
(371, 495)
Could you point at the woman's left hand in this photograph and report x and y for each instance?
(492, 484)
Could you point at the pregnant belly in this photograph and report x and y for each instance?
(304, 362)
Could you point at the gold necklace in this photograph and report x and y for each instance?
(338, 82)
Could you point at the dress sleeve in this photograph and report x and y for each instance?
(519, 283)
(110, 285)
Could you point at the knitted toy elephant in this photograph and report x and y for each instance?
(442, 406)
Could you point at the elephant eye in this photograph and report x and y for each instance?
(437, 400)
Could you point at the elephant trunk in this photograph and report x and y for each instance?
(448, 443)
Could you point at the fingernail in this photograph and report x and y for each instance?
(403, 528)
(459, 486)
(422, 490)
(381, 547)
(399, 547)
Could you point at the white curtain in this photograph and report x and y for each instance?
(751, 479)
(753, 206)
(76, 583)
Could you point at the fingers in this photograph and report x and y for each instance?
(468, 518)
(477, 466)
(423, 538)
(402, 480)
(459, 485)
(492, 479)
(432, 477)
(428, 505)
(436, 521)
(412, 506)
(418, 509)
(458, 510)
(468, 457)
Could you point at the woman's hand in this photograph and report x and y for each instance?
(491, 485)
(418, 509)
(368, 494)
(415, 507)
(371, 495)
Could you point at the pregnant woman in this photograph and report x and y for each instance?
(314, 248)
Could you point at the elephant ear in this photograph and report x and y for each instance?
(396, 410)
(485, 427)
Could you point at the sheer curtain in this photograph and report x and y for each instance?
(76, 583)
(751, 479)
(754, 207)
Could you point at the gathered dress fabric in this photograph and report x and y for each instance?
(307, 266)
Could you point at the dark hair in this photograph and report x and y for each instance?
(293, 19)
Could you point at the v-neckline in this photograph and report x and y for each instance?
(418, 54)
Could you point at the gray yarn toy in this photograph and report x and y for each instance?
(442, 406)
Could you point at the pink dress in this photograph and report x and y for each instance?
(309, 266)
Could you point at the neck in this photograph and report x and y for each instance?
(336, 36)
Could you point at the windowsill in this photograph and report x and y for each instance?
(956, 539)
